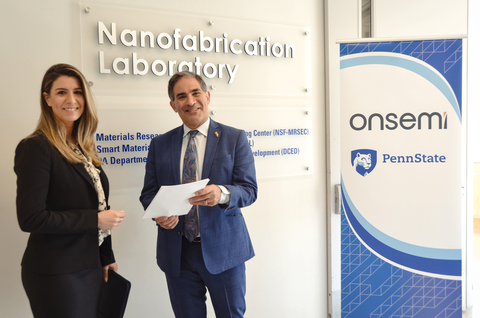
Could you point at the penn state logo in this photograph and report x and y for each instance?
(364, 161)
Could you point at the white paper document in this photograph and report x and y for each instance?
(173, 200)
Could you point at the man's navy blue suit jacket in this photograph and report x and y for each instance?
(229, 162)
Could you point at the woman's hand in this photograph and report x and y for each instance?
(110, 219)
(113, 267)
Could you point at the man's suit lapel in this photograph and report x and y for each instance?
(214, 135)
(175, 153)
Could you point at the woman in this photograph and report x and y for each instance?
(62, 200)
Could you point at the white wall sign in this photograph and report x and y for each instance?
(129, 54)
(129, 49)
(280, 148)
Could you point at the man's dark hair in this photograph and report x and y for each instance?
(176, 77)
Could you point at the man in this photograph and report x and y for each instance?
(210, 249)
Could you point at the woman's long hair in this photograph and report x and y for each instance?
(84, 127)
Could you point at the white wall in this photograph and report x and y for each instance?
(287, 278)
(404, 18)
(341, 23)
(473, 94)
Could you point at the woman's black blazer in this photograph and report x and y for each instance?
(57, 203)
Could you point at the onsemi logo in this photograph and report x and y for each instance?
(364, 161)
(392, 121)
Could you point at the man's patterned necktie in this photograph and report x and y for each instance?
(189, 174)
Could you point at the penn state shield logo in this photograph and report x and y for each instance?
(364, 161)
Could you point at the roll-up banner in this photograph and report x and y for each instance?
(401, 161)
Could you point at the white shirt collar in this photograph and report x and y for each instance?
(203, 129)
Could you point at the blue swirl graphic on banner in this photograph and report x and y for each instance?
(421, 69)
(424, 259)
(444, 55)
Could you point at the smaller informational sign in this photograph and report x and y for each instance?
(281, 146)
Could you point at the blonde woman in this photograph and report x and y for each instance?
(62, 200)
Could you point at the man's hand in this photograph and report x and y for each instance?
(167, 223)
(208, 196)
